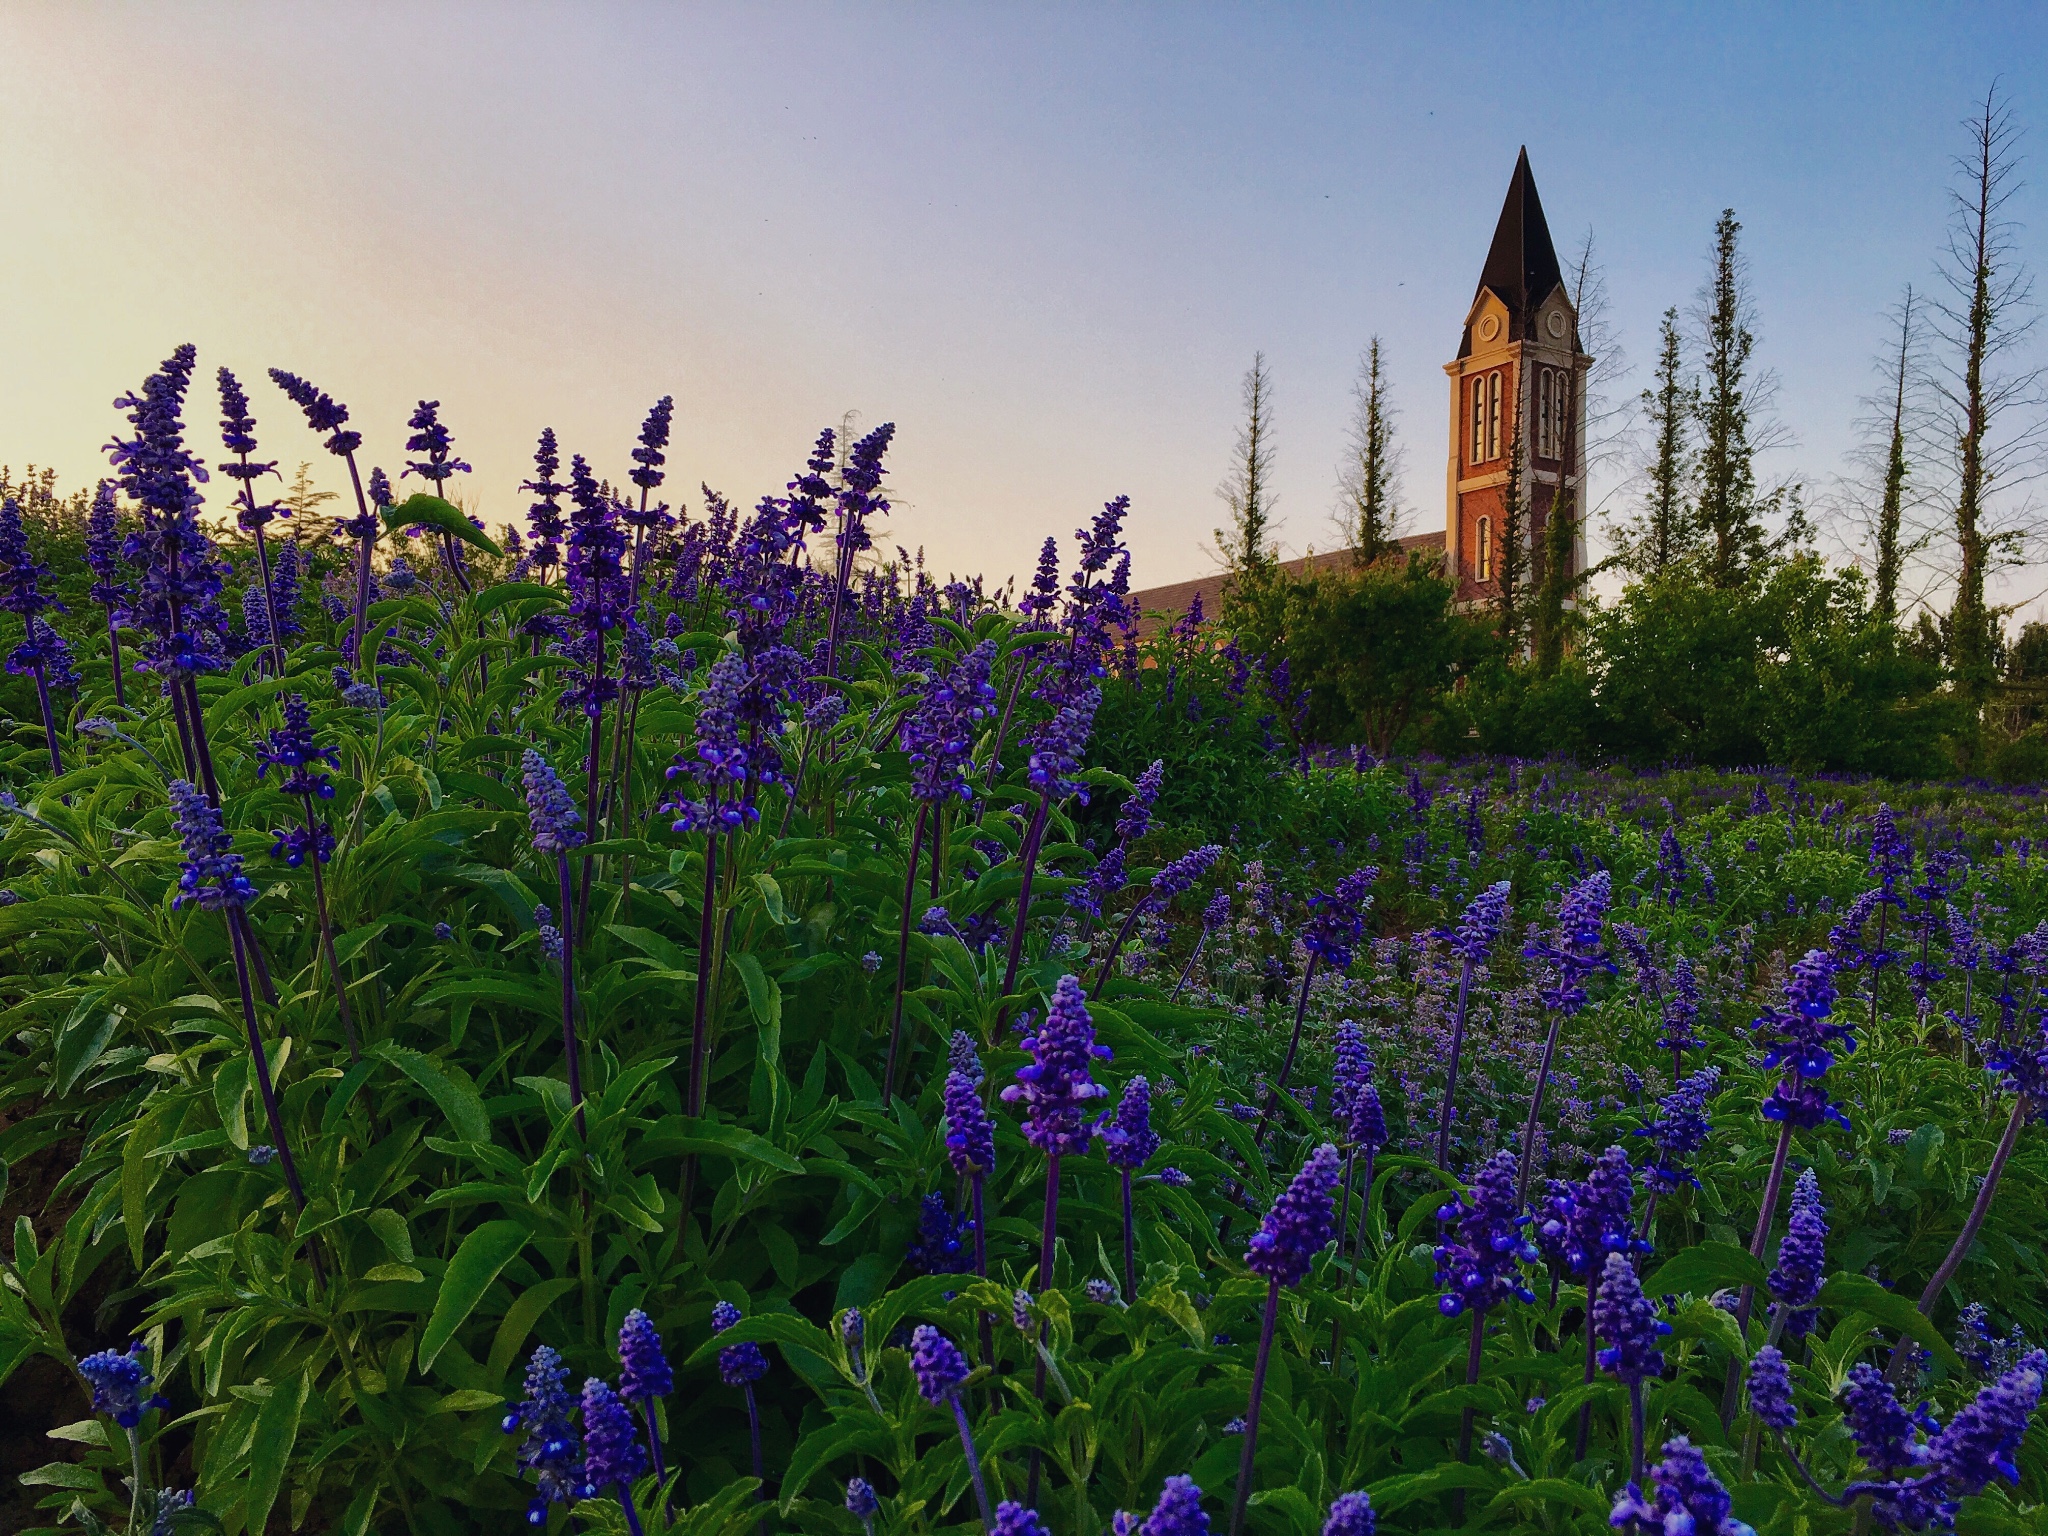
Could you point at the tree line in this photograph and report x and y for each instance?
(1856, 630)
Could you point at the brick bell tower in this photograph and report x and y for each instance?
(1519, 372)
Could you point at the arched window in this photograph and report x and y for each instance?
(1493, 414)
(1478, 418)
(1483, 565)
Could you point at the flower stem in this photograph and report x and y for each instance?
(1251, 1413)
(1475, 1350)
(267, 1089)
(1123, 935)
(1443, 1125)
(1746, 1302)
(903, 951)
(570, 1052)
(348, 1023)
(760, 1468)
(135, 1527)
(49, 718)
(973, 1463)
(1279, 1084)
(1033, 835)
(1535, 1112)
(1189, 969)
(632, 1514)
(114, 655)
(1130, 1246)
(1635, 1432)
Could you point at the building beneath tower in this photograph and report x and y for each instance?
(1517, 426)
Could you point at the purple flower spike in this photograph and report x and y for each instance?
(1882, 1430)
(557, 827)
(1679, 1131)
(861, 1502)
(431, 438)
(1135, 818)
(550, 1450)
(739, 1365)
(970, 1134)
(323, 412)
(1178, 1512)
(649, 456)
(1624, 1318)
(939, 1366)
(1058, 1083)
(1336, 919)
(293, 748)
(1798, 1037)
(212, 875)
(544, 517)
(1802, 1258)
(644, 1372)
(1351, 1515)
(938, 734)
(1128, 1140)
(1981, 1441)
(1480, 928)
(1301, 1224)
(118, 1380)
(1770, 1389)
(1479, 1265)
(1013, 1519)
(1574, 950)
(1685, 1499)
(1185, 872)
(612, 1453)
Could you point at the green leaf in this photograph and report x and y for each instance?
(231, 1100)
(423, 511)
(138, 1175)
(1860, 1293)
(1704, 1268)
(1553, 1490)
(277, 1430)
(526, 1310)
(81, 1038)
(477, 1263)
(457, 1097)
(821, 1447)
(392, 1232)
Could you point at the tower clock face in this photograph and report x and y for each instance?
(1557, 324)
(1489, 327)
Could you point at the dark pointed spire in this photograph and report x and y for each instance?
(1521, 268)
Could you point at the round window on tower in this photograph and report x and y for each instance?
(1489, 327)
(1556, 323)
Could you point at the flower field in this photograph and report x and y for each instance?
(669, 1021)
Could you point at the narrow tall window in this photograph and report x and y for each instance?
(1484, 543)
(1493, 414)
(1546, 416)
(1478, 417)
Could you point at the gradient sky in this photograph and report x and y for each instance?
(1044, 240)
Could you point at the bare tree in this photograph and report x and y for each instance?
(1665, 531)
(1989, 401)
(1511, 561)
(1247, 544)
(1369, 478)
(1558, 576)
(1883, 497)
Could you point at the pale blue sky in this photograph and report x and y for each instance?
(1044, 240)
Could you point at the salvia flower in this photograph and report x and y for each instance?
(1014, 1519)
(938, 733)
(550, 1450)
(1135, 817)
(612, 1453)
(1184, 873)
(1681, 1008)
(1882, 1430)
(938, 1248)
(544, 517)
(1351, 1068)
(719, 764)
(648, 458)
(964, 1058)
(861, 1502)
(970, 1134)
(644, 1372)
(431, 438)
(739, 1365)
(1479, 929)
(1626, 1322)
(939, 1366)
(1479, 1264)
(1984, 1436)
(1336, 919)
(1128, 1139)
(1574, 950)
(1301, 1224)
(118, 1382)
(1679, 1131)
(1802, 1258)
(1581, 1223)
(292, 747)
(550, 812)
(1685, 1499)
(323, 412)
(212, 875)
(1798, 1037)
(1178, 1512)
(1351, 1515)
(1365, 1123)
(547, 933)
(103, 549)
(1770, 1389)
(1058, 1083)
(20, 572)
(1056, 745)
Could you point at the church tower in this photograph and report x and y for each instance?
(1519, 376)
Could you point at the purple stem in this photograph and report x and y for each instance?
(1746, 1302)
(973, 1463)
(701, 1020)
(590, 803)
(1279, 1084)
(364, 550)
(348, 1023)
(1473, 1354)
(1251, 1413)
(1033, 836)
(1975, 1221)
(903, 951)
(1189, 969)
(268, 1090)
(1635, 1432)
(1535, 1111)
(1041, 1284)
(570, 1053)
(1123, 935)
(654, 1443)
(626, 1502)
(114, 650)
(988, 1334)
(1130, 1246)
(760, 1467)
(1586, 1408)
(1443, 1125)
(49, 719)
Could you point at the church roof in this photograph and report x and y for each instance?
(1521, 267)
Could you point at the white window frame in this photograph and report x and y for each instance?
(1483, 541)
